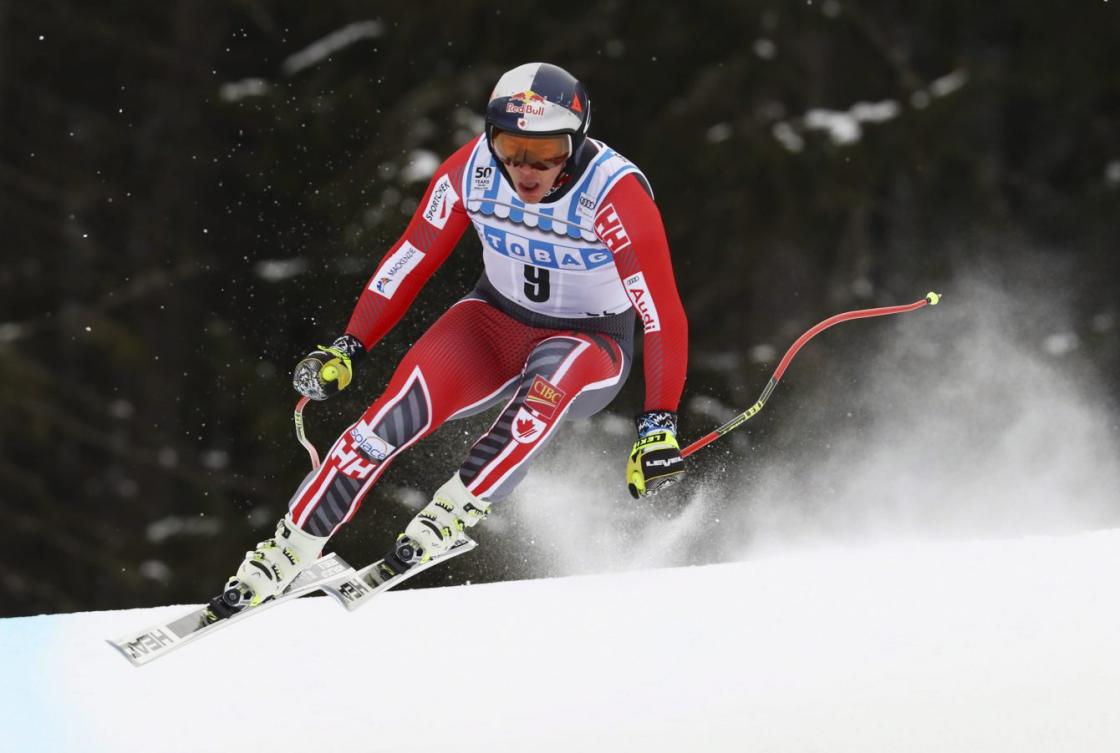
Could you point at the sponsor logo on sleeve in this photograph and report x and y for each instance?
(642, 301)
(355, 460)
(369, 443)
(608, 226)
(395, 269)
(544, 397)
(443, 197)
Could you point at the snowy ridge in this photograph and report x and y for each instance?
(988, 646)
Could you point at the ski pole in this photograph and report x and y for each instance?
(931, 299)
(301, 433)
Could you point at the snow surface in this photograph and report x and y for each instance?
(1006, 645)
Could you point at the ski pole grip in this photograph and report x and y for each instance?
(301, 433)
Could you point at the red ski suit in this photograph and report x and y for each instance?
(526, 336)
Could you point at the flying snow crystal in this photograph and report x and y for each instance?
(168, 457)
(215, 459)
(10, 332)
(421, 165)
(788, 136)
(765, 48)
(763, 353)
(1060, 343)
(234, 91)
(1112, 174)
(165, 528)
(155, 570)
(940, 87)
(332, 43)
(875, 112)
(946, 85)
(862, 287)
(844, 127)
(276, 270)
(710, 407)
(120, 409)
(719, 132)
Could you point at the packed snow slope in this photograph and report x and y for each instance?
(1010, 645)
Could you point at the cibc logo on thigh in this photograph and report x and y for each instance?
(544, 397)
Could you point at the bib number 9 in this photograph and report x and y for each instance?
(536, 284)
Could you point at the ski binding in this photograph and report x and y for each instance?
(371, 580)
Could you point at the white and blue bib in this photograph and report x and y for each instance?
(547, 257)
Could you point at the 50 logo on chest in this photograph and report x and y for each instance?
(483, 178)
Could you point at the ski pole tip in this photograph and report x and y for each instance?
(933, 298)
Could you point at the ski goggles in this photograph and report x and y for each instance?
(538, 152)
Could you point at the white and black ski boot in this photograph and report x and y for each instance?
(437, 528)
(270, 568)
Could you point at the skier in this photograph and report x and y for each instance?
(574, 252)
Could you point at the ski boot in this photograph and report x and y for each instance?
(435, 529)
(269, 569)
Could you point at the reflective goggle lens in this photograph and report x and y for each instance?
(538, 152)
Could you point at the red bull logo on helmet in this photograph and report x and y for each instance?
(527, 102)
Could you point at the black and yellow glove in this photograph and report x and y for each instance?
(655, 461)
(328, 370)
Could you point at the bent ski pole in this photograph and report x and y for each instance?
(301, 433)
(931, 299)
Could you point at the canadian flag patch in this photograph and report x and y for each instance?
(526, 428)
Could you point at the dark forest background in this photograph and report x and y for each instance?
(192, 194)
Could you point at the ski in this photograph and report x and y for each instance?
(159, 640)
(373, 579)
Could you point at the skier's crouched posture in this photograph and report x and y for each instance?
(574, 252)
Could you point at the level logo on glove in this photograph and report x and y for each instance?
(655, 460)
(328, 370)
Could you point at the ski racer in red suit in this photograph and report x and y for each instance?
(575, 252)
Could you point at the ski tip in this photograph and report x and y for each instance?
(933, 298)
(119, 647)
